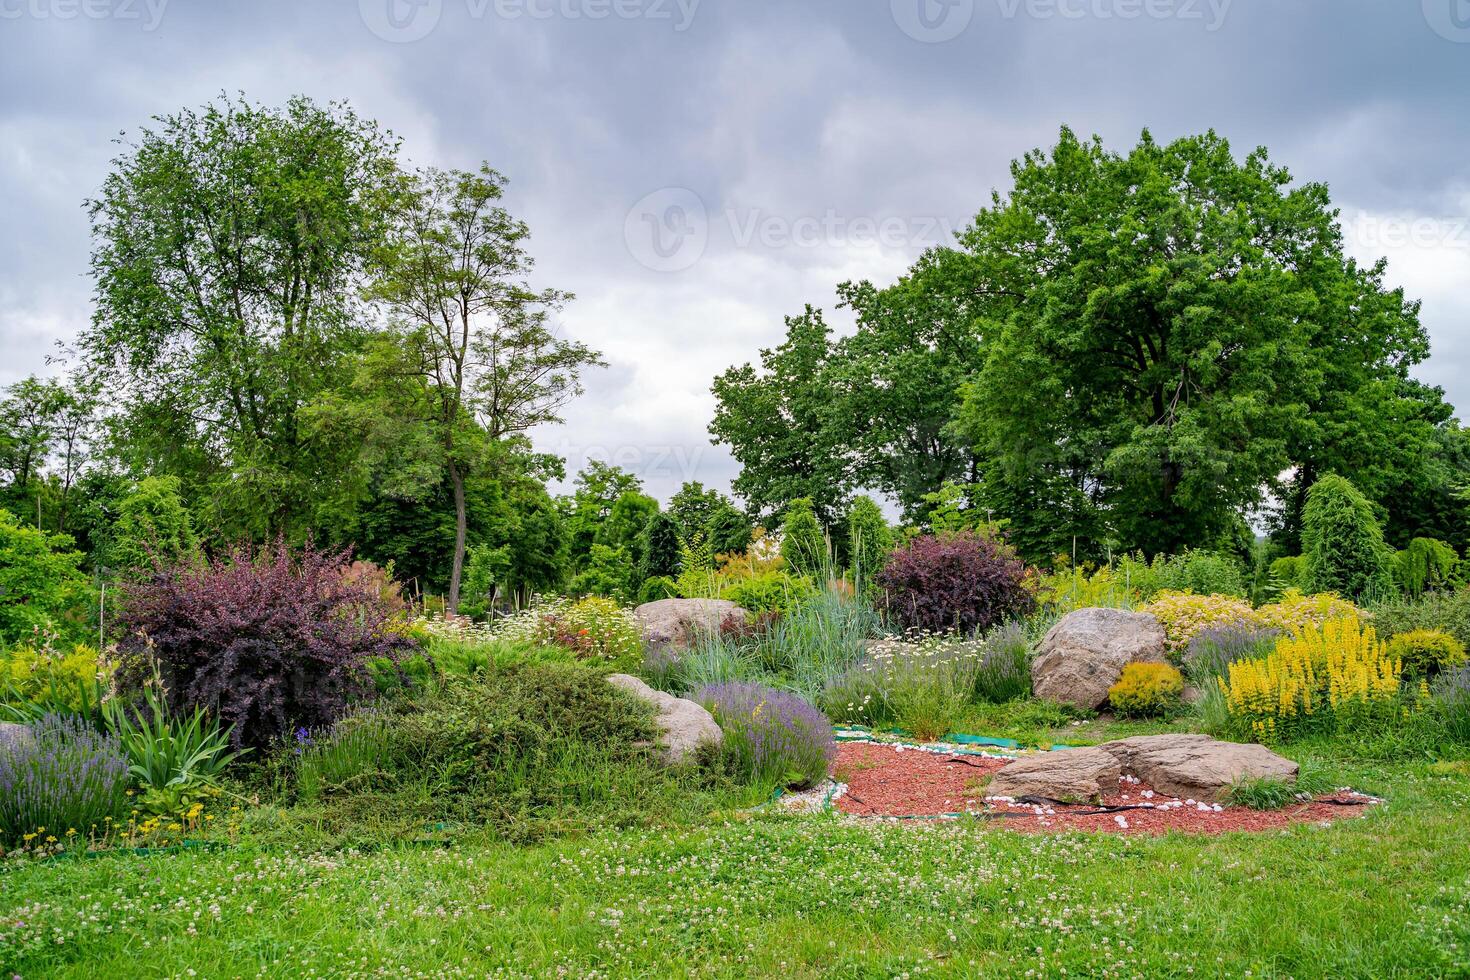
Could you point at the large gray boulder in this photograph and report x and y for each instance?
(683, 725)
(17, 735)
(676, 623)
(1084, 654)
(1193, 767)
(1196, 766)
(1070, 775)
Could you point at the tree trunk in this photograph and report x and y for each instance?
(457, 479)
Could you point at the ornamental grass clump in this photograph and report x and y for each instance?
(1328, 679)
(1452, 702)
(1211, 651)
(65, 780)
(772, 736)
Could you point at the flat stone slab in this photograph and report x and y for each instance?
(1070, 775)
(1193, 767)
(1197, 766)
(683, 725)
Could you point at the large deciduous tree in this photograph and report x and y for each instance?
(474, 338)
(781, 424)
(230, 246)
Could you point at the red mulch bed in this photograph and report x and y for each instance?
(889, 781)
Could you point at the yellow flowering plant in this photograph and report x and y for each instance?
(1325, 678)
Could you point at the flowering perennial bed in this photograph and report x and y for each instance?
(896, 781)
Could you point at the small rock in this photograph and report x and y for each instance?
(683, 725)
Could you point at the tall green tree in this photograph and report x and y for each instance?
(1167, 331)
(870, 541)
(150, 524)
(660, 548)
(229, 249)
(1342, 544)
(803, 543)
(473, 334)
(693, 505)
(596, 491)
(728, 530)
(782, 427)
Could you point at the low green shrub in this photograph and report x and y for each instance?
(1146, 690)
(1446, 611)
(525, 751)
(770, 592)
(1425, 653)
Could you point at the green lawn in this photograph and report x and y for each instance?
(1386, 895)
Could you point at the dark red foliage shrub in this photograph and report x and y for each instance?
(269, 641)
(962, 582)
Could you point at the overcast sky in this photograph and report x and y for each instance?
(694, 170)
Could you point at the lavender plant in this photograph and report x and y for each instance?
(1211, 651)
(1452, 700)
(66, 779)
(773, 736)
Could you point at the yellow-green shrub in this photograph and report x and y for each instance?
(1426, 652)
(1183, 614)
(1294, 611)
(61, 679)
(1146, 690)
(1318, 678)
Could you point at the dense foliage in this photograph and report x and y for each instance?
(1342, 543)
(268, 640)
(1187, 327)
(963, 582)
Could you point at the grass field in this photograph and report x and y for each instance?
(1386, 895)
